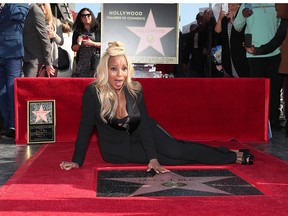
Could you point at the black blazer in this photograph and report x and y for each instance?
(115, 145)
(237, 52)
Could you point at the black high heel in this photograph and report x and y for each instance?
(247, 158)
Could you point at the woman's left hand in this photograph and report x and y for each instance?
(51, 33)
(154, 164)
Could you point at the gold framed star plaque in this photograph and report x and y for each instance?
(41, 121)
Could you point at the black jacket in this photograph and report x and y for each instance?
(237, 51)
(115, 144)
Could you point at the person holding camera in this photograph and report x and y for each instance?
(233, 55)
(86, 43)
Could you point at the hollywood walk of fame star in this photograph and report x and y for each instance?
(170, 180)
(150, 35)
(41, 114)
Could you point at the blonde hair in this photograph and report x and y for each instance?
(105, 92)
(67, 26)
(48, 15)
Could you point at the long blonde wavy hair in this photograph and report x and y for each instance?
(105, 92)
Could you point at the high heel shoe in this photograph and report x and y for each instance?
(247, 158)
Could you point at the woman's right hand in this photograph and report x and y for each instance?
(68, 165)
(79, 40)
(51, 33)
(154, 165)
(50, 69)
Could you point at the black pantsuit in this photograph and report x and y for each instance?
(171, 151)
(142, 140)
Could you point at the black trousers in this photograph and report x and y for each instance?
(171, 151)
(268, 68)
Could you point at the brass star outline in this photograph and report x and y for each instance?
(170, 180)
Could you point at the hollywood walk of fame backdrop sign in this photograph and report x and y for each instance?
(192, 182)
(149, 32)
(41, 121)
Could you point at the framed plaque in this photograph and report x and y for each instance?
(41, 119)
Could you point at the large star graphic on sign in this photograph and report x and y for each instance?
(150, 35)
(170, 180)
(41, 114)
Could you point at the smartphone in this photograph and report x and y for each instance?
(225, 7)
(85, 37)
(249, 6)
(248, 40)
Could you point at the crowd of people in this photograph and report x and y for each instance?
(265, 25)
(30, 37)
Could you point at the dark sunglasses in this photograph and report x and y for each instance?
(85, 15)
